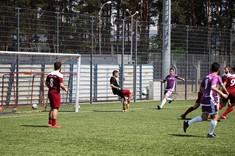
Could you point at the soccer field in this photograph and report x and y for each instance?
(102, 129)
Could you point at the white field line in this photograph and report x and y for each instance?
(73, 113)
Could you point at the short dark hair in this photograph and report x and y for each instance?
(227, 66)
(57, 65)
(215, 67)
(172, 69)
(114, 72)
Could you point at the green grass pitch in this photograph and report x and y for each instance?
(102, 129)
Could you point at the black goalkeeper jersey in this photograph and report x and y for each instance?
(114, 82)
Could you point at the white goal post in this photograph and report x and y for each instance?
(32, 59)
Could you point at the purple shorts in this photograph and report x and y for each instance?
(211, 108)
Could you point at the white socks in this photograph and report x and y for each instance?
(213, 124)
(170, 99)
(196, 119)
(163, 103)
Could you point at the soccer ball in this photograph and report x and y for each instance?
(34, 106)
(144, 91)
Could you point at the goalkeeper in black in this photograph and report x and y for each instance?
(125, 94)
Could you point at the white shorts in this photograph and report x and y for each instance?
(168, 92)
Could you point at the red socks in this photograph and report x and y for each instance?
(220, 107)
(228, 110)
(53, 122)
(50, 121)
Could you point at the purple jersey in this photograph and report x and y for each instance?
(209, 82)
(171, 79)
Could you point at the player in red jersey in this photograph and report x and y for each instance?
(125, 94)
(230, 85)
(226, 74)
(54, 82)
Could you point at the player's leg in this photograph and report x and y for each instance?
(190, 109)
(51, 99)
(125, 97)
(50, 118)
(204, 117)
(170, 100)
(54, 118)
(129, 97)
(167, 93)
(124, 108)
(56, 106)
(227, 111)
(163, 102)
(214, 120)
(230, 108)
(223, 103)
(127, 94)
(213, 124)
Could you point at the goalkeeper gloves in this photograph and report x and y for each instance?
(119, 88)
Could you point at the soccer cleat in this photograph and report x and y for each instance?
(185, 126)
(223, 117)
(171, 101)
(56, 126)
(158, 107)
(183, 117)
(211, 136)
(124, 110)
(49, 125)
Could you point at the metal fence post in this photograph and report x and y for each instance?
(135, 61)
(186, 67)
(17, 57)
(57, 32)
(91, 60)
(123, 51)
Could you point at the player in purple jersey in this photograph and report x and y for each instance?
(170, 86)
(209, 100)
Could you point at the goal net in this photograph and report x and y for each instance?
(22, 80)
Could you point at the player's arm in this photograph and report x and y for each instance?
(222, 85)
(47, 84)
(215, 89)
(63, 87)
(201, 89)
(163, 81)
(180, 78)
(115, 87)
(224, 88)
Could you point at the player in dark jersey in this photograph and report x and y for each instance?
(125, 94)
(54, 82)
(230, 86)
(209, 100)
(170, 86)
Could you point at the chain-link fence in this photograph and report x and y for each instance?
(105, 39)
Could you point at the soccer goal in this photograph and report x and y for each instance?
(22, 80)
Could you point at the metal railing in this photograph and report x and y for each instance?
(193, 49)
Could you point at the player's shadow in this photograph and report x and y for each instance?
(35, 126)
(186, 136)
(107, 111)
